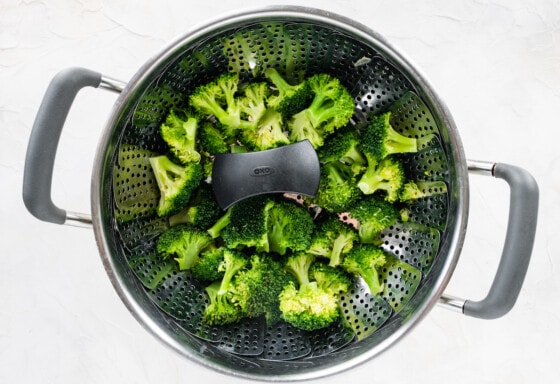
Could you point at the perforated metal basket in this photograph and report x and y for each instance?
(169, 303)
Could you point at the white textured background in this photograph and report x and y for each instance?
(495, 63)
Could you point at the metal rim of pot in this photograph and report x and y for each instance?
(513, 263)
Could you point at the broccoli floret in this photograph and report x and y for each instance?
(331, 108)
(365, 261)
(202, 210)
(418, 189)
(338, 188)
(343, 146)
(180, 132)
(289, 99)
(332, 239)
(307, 307)
(257, 289)
(268, 132)
(208, 265)
(289, 226)
(175, 182)
(379, 139)
(253, 102)
(330, 279)
(248, 225)
(212, 140)
(373, 215)
(183, 242)
(386, 176)
(218, 98)
(221, 309)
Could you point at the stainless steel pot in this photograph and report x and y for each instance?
(379, 74)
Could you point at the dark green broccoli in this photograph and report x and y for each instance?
(379, 139)
(289, 99)
(208, 265)
(365, 261)
(212, 140)
(175, 182)
(343, 146)
(332, 239)
(289, 226)
(248, 225)
(179, 131)
(418, 189)
(331, 108)
(385, 176)
(338, 188)
(330, 279)
(202, 210)
(257, 288)
(307, 307)
(221, 309)
(373, 215)
(184, 243)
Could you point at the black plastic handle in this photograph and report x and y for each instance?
(516, 254)
(293, 168)
(43, 141)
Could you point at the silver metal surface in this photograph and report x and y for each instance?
(210, 355)
(452, 303)
(112, 84)
(479, 167)
(77, 219)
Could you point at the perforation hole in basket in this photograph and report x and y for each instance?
(413, 244)
(285, 342)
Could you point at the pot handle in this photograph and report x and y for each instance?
(520, 236)
(43, 143)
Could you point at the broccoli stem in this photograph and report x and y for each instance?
(216, 230)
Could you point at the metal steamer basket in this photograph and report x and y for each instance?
(295, 40)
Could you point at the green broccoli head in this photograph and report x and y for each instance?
(180, 132)
(267, 134)
(332, 105)
(309, 307)
(332, 239)
(212, 139)
(247, 227)
(184, 243)
(202, 210)
(338, 188)
(373, 215)
(288, 99)
(208, 265)
(252, 103)
(343, 146)
(257, 288)
(220, 310)
(175, 182)
(385, 176)
(218, 98)
(289, 226)
(379, 139)
(366, 261)
(332, 280)
(331, 108)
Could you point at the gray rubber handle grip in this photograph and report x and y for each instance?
(43, 141)
(520, 236)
